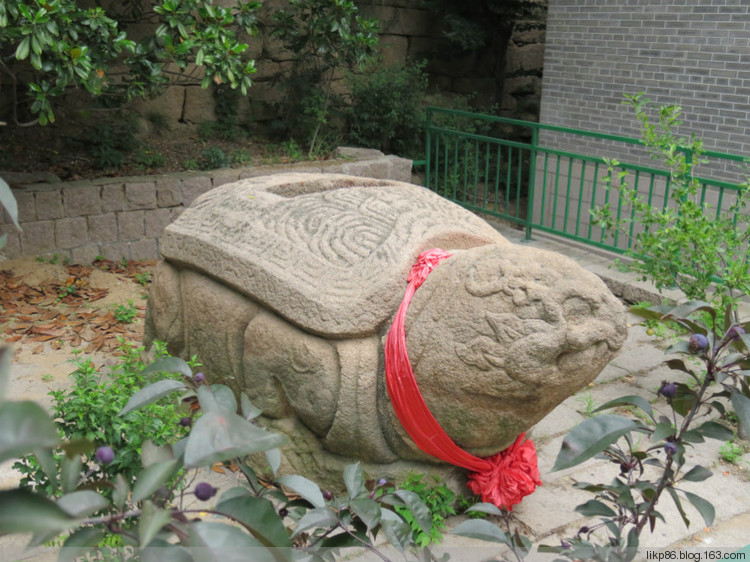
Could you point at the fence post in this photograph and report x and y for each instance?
(532, 181)
(428, 148)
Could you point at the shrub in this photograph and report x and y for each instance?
(386, 108)
(684, 244)
(49, 48)
(89, 411)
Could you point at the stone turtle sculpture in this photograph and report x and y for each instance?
(285, 287)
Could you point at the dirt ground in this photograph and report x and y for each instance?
(51, 311)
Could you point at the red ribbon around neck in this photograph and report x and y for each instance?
(502, 479)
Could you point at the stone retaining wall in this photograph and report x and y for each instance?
(123, 217)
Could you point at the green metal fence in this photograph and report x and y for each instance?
(534, 183)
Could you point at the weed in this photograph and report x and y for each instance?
(731, 452)
(143, 279)
(146, 158)
(213, 158)
(47, 377)
(587, 403)
(89, 410)
(125, 313)
(191, 165)
(439, 500)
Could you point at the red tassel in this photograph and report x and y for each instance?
(502, 479)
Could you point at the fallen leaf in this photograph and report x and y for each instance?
(38, 349)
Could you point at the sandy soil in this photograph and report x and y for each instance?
(46, 330)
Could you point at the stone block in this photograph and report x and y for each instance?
(140, 195)
(199, 105)
(113, 197)
(12, 246)
(26, 205)
(49, 205)
(366, 169)
(144, 249)
(70, 232)
(131, 225)
(116, 251)
(84, 255)
(168, 192)
(156, 220)
(194, 186)
(400, 169)
(81, 200)
(225, 175)
(393, 49)
(103, 228)
(176, 212)
(37, 237)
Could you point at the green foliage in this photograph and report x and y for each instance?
(213, 157)
(50, 48)
(147, 158)
(274, 517)
(731, 452)
(386, 108)
(326, 36)
(89, 411)
(125, 313)
(686, 243)
(439, 500)
(110, 140)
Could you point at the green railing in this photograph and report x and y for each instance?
(532, 182)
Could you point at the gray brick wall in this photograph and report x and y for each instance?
(124, 217)
(695, 53)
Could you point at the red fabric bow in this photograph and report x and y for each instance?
(502, 479)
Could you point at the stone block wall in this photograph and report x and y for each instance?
(695, 53)
(124, 217)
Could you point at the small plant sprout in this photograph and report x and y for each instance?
(125, 313)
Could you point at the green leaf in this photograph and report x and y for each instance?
(318, 518)
(258, 515)
(169, 365)
(212, 541)
(741, 405)
(715, 430)
(308, 489)
(79, 543)
(224, 397)
(663, 429)
(595, 507)
(22, 511)
(354, 479)
(485, 507)
(482, 530)
(220, 436)
(590, 437)
(249, 412)
(22, 51)
(152, 478)
(70, 473)
(152, 393)
(418, 509)
(678, 504)
(24, 426)
(83, 503)
(367, 510)
(121, 491)
(632, 400)
(273, 457)
(697, 474)
(705, 508)
(399, 533)
(151, 522)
